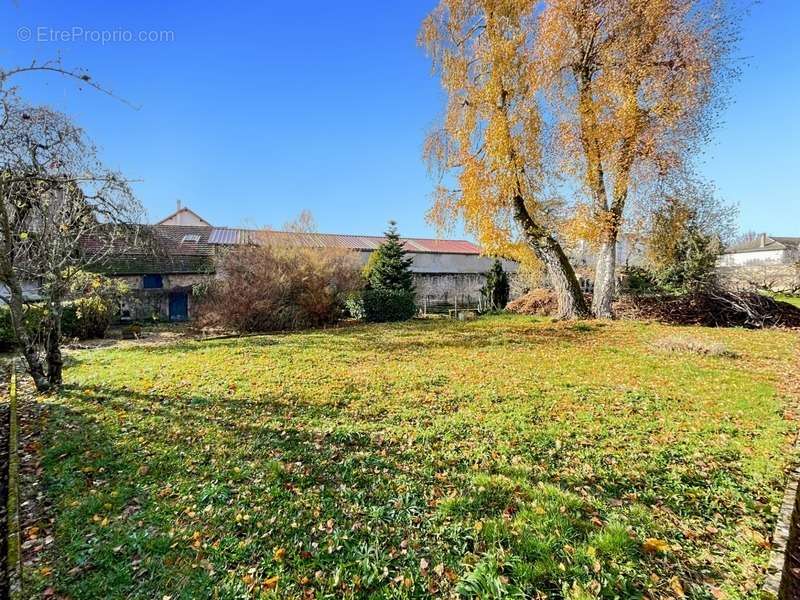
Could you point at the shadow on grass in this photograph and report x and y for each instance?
(297, 462)
(132, 479)
(394, 338)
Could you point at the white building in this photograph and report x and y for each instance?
(762, 250)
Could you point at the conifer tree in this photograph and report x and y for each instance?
(390, 266)
(497, 289)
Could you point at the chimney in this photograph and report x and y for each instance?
(178, 202)
(762, 239)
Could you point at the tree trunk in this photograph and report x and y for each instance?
(55, 361)
(605, 279)
(605, 268)
(16, 304)
(35, 367)
(571, 303)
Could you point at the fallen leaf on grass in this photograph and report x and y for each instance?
(270, 584)
(655, 546)
(676, 587)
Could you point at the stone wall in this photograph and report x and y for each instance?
(779, 278)
(153, 304)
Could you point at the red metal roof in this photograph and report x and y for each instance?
(229, 236)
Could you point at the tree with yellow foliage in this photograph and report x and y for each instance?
(599, 96)
(491, 137)
(634, 86)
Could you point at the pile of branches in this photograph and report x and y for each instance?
(712, 306)
(539, 302)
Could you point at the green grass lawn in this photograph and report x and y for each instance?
(795, 300)
(504, 457)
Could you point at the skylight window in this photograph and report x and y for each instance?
(192, 237)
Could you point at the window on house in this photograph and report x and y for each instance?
(150, 282)
(193, 237)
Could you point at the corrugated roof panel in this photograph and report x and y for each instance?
(228, 236)
(412, 246)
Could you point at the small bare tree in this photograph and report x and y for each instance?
(61, 211)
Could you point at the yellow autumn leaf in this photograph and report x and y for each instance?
(279, 554)
(270, 583)
(655, 546)
(676, 587)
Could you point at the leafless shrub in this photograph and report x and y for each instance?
(274, 288)
(690, 345)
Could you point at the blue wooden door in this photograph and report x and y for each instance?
(178, 306)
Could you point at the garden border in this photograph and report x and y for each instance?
(14, 545)
(785, 531)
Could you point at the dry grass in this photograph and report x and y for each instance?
(694, 346)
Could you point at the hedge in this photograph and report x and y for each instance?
(33, 318)
(377, 306)
(84, 318)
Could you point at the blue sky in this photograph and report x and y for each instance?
(254, 111)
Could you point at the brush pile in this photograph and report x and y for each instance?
(540, 302)
(713, 307)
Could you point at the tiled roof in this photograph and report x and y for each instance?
(190, 249)
(180, 239)
(159, 249)
(789, 242)
(143, 264)
(230, 236)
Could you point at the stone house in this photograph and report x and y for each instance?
(447, 273)
(162, 272)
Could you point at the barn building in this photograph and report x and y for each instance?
(447, 273)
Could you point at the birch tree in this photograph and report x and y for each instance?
(598, 97)
(635, 87)
(490, 141)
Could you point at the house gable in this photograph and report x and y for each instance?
(184, 217)
(763, 249)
